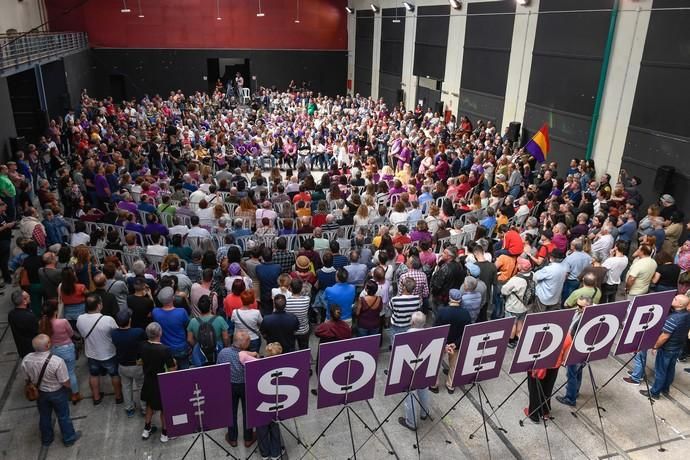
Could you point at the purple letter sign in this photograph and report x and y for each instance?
(541, 340)
(645, 321)
(347, 370)
(277, 387)
(598, 327)
(482, 350)
(190, 394)
(415, 359)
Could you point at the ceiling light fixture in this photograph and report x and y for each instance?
(409, 6)
(260, 14)
(523, 2)
(218, 18)
(297, 18)
(374, 8)
(349, 10)
(456, 4)
(141, 13)
(124, 7)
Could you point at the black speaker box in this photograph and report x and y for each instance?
(438, 107)
(662, 181)
(514, 131)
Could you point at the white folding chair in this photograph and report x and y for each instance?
(246, 96)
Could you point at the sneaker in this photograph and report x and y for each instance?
(433, 390)
(164, 437)
(648, 394)
(666, 394)
(631, 381)
(119, 400)
(130, 413)
(562, 400)
(77, 435)
(687, 369)
(630, 372)
(148, 432)
(401, 420)
(529, 417)
(683, 358)
(512, 344)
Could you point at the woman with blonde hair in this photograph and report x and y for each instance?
(361, 218)
(247, 210)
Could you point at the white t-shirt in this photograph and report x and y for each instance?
(252, 318)
(156, 250)
(99, 344)
(615, 266)
(80, 238)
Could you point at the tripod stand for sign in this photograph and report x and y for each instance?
(412, 397)
(480, 393)
(275, 377)
(198, 401)
(349, 411)
(596, 399)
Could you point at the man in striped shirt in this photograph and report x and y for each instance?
(298, 305)
(402, 307)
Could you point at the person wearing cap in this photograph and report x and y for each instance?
(457, 318)
(549, 282)
(514, 292)
(127, 341)
(668, 206)
(174, 323)
(96, 329)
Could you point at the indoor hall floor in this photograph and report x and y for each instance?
(107, 433)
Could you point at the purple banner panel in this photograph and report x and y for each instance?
(347, 370)
(191, 396)
(415, 359)
(645, 321)
(482, 350)
(541, 340)
(277, 388)
(596, 332)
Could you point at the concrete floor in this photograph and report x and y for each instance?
(627, 419)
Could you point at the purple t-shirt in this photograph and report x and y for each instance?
(101, 184)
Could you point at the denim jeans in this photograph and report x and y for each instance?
(499, 305)
(182, 359)
(238, 397)
(412, 408)
(57, 401)
(68, 354)
(270, 443)
(568, 288)
(393, 330)
(572, 389)
(361, 332)
(665, 369)
(132, 378)
(640, 361)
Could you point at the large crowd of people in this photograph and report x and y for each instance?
(179, 231)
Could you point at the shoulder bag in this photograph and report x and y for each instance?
(31, 390)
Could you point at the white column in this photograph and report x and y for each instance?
(520, 64)
(621, 83)
(376, 56)
(455, 49)
(409, 81)
(351, 29)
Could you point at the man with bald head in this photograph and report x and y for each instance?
(49, 373)
(669, 346)
(237, 355)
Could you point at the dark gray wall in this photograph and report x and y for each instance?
(431, 41)
(160, 71)
(659, 130)
(566, 63)
(81, 74)
(7, 129)
(55, 87)
(364, 51)
(488, 39)
(392, 48)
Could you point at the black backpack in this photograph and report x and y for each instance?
(207, 340)
(530, 295)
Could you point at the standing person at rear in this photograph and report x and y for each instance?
(49, 373)
(128, 341)
(156, 359)
(96, 328)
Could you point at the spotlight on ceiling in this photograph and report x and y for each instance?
(349, 10)
(141, 12)
(456, 4)
(374, 8)
(523, 2)
(409, 6)
(260, 14)
(124, 7)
